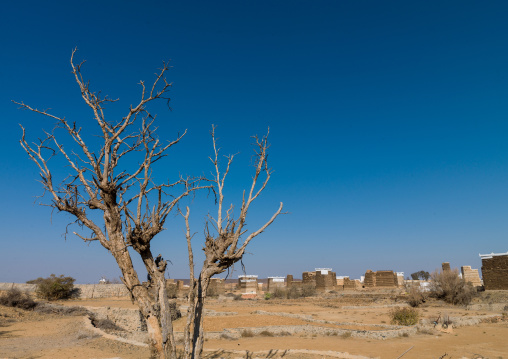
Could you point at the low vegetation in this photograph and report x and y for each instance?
(175, 312)
(448, 286)
(266, 333)
(53, 287)
(18, 299)
(172, 291)
(292, 292)
(247, 333)
(105, 324)
(415, 296)
(404, 316)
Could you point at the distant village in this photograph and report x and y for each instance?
(494, 277)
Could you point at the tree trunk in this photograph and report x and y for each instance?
(155, 311)
(188, 346)
(199, 303)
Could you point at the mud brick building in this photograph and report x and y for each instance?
(325, 279)
(382, 278)
(309, 278)
(343, 282)
(370, 279)
(290, 282)
(471, 276)
(321, 279)
(275, 282)
(446, 267)
(495, 271)
(217, 286)
(248, 283)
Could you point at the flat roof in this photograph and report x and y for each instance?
(487, 256)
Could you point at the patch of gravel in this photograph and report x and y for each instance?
(283, 330)
(466, 321)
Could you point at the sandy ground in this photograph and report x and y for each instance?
(32, 335)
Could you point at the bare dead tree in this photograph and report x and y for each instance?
(223, 244)
(133, 208)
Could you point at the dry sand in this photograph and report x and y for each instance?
(32, 335)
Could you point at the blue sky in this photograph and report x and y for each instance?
(388, 124)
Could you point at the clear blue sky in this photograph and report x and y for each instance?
(388, 125)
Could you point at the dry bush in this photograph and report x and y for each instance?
(293, 293)
(279, 292)
(16, 298)
(105, 324)
(247, 333)
(171, 290)
(266, 333)
(415, 296)
(308, 290)
(53, 287)
(212, 292)
(449, 287)
(346, 335)
(404, 316)
(227, 337)
(48, 308)
(175, 312)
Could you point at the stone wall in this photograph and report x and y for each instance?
(85, 291)
(446, 266)
(471, 275)
(495, 272)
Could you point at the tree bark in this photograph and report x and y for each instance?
(199, 306)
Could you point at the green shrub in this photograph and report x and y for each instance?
(448, 286)
(16, 298)
(53, 287)
(404, 316)
(268, 296)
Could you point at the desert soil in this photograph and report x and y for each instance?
(26, 334)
